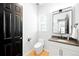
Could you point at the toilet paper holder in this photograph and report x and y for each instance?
(29, 39)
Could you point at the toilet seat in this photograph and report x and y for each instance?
(38, 47)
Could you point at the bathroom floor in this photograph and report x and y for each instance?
(33, 53)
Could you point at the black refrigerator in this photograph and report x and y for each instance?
(11, 29)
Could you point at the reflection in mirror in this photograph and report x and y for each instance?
(62, 22)
(63, 25)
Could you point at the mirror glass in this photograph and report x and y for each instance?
(62, 22)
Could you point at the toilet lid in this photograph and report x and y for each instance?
(37, 45)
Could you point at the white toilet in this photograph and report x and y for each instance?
(39, 46)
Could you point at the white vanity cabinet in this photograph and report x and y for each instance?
(68, 52)
(60, 49)
(52, 49)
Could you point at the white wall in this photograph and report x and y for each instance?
(31, 17)
(29, 26)
(45, 10)
(76, 13)
(75, 20)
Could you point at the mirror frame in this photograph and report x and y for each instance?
(62, 11)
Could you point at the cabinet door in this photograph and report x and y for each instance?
(69, 52)
(52, 49)
(7, 21)
(2, 51)
(21, 26)
(18, 48)
(17, 25)
(18, 20)
(8, 49)
(1, 26)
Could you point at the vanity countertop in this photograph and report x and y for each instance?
(71, 41)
